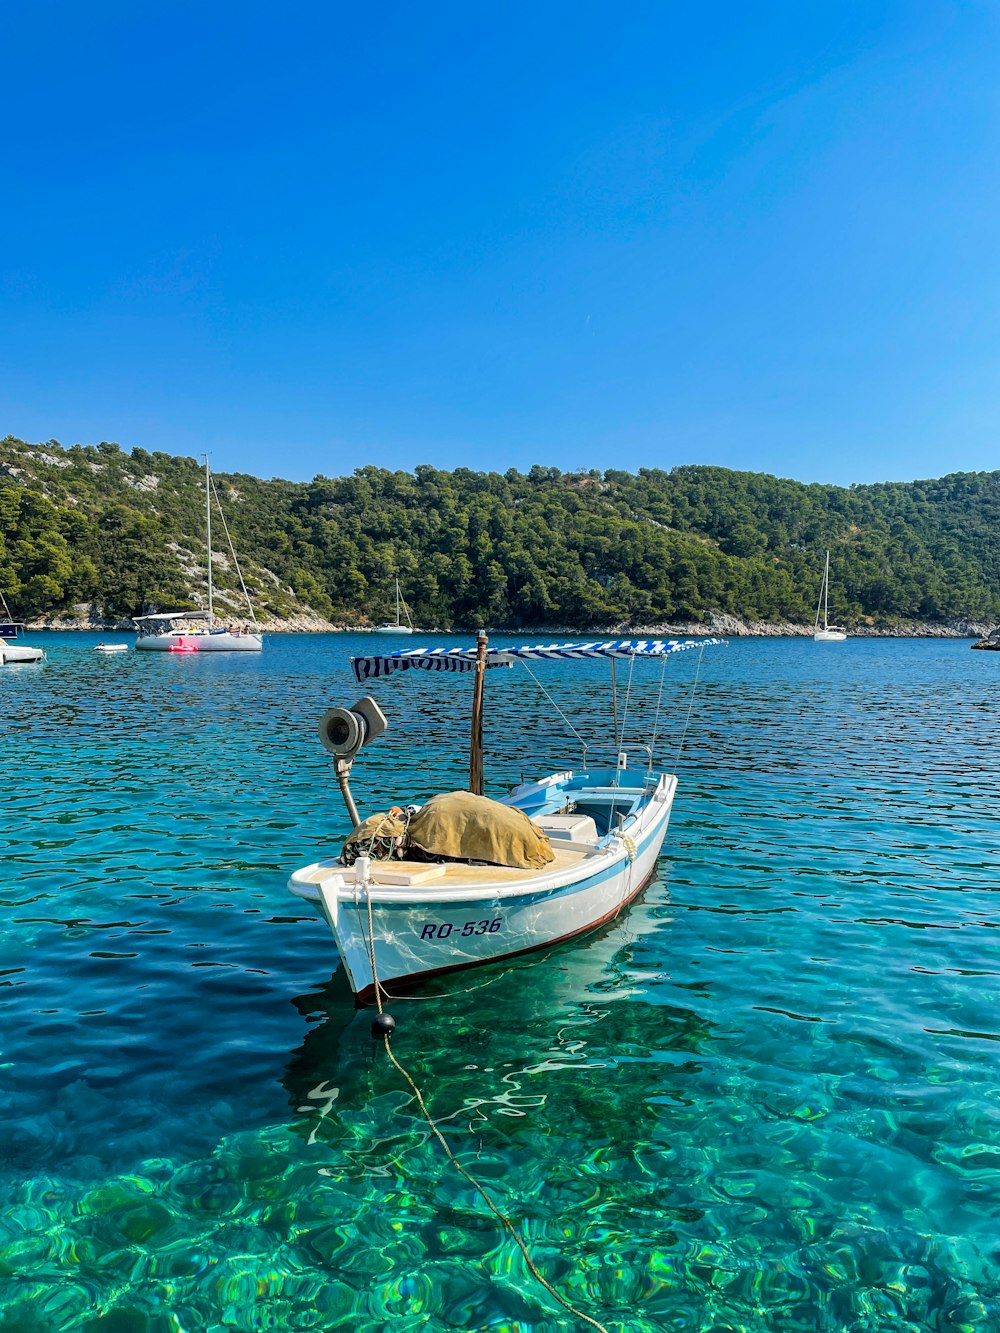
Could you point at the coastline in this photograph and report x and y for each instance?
(722, 626)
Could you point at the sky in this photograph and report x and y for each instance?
(311, 237)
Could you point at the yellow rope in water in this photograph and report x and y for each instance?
(505, 1221)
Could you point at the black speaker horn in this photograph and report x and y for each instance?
(343, 731)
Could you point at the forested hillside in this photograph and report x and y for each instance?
(124, 532)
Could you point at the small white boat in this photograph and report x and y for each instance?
(828, 633)
(196, 631)
(398, 922)
(14, 653)
(111, 648)
(396, 626)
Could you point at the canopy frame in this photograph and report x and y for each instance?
(377, 665)
(481, 658)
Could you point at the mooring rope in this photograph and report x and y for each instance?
(504, 1221)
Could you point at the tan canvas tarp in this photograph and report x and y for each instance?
(474, 828)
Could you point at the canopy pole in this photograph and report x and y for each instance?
(476, 743)
(614, 700)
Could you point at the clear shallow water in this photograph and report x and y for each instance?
(767, 1099)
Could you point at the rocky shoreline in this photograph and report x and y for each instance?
(734, 627)
(722, 626)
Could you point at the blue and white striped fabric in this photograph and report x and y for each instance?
(428, 659)
(464, 659)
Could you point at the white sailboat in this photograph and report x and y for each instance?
(196, 631)
(11, 653)
(397, 921)
(397, 626)
(828, 633)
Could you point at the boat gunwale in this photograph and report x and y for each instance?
(642, 821)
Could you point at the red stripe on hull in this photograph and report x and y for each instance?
(367, 996)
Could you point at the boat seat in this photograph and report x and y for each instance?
(606, 795)
(568, 828)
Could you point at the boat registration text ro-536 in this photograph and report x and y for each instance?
(440, 931)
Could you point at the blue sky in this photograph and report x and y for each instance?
(308, 237)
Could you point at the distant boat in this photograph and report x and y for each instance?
(111, 648)
(829, 633)
(183, 631)
(396, 626)
(11, 653)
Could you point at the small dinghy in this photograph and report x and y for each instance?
(413, 896)
(111, 648)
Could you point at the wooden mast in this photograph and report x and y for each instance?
(476, 743)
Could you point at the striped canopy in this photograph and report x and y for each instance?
(464, 659)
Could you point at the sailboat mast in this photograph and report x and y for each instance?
(397, 603)
(826, 592)
(208, 536)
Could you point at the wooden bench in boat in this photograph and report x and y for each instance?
(606, 795)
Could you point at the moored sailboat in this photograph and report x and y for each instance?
(827, 633)
(196, 631)
(396, 626)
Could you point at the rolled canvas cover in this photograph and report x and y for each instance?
(465, 827)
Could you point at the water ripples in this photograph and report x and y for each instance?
(763, 1100)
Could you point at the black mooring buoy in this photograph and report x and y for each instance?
(383, 1025)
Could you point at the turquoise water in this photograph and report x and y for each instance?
(766, 1099)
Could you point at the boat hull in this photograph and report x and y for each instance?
(200, 643)
(12, 654)
(424, 931)
(829, 636)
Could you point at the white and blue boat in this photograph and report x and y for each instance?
(399, 922)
